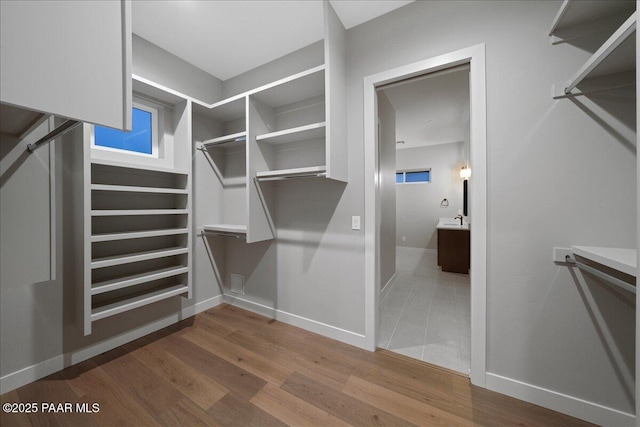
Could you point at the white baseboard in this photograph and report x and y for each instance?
(569, 405)
(319, 328)
(387, 287)
(40, 370)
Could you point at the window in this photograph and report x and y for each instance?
(413, 176)
(142, 139)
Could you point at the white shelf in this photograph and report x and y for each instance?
(226, 228)
(135, 212)
(574, 12)
(136, 257)
(137, 189)
(304, 85)
(137, 301)
(134, 166)
(137, 279)
(156, 91)
(226, 140)
(138, 234)
(616, 55)
(300, 133)
(623, 260)
(312, 170)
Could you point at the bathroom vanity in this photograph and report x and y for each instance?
(454, 245)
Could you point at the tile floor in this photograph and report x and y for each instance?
(427, 313)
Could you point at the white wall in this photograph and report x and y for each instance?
(418, 205)
(558, 171)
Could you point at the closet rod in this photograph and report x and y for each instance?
(59, 131)
(285, 177)
(208, 145)
(604, 276)
(211, 233)
(589, 92)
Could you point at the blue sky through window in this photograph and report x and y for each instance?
(421, 176)
(139, 140)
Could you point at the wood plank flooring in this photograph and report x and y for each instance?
(230, 367)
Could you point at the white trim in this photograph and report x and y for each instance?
(42, 369)
(559, 402)
(475, 56)
(310, 325)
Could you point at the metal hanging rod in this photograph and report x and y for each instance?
(213, 233)
(285, 177)
(588, 92)
(604, 276)
(223, 141)
(59, 131)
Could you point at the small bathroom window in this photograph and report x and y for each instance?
(413, 176)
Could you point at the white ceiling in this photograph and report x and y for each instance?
(431, 110)
(227, 38)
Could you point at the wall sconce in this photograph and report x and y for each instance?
(465, 172)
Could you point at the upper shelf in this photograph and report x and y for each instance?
(305, 85)
(149, 89)
(574, 12)
(623, 260)
(616, 55)
(301, 133)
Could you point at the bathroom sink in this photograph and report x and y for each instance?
(452, 224)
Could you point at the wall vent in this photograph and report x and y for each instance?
(237, 284)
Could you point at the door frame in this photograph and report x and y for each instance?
(475, 57)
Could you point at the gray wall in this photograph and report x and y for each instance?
(557, 173)
(418, 205)
(158, 65)
(387, 168)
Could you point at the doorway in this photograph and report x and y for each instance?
(475, 57)
(423, 145)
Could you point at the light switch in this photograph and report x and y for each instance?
(355, 223)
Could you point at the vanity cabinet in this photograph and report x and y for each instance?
(454, 254)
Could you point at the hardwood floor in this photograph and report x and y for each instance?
(230, 367)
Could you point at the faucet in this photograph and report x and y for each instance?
(460, 217)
